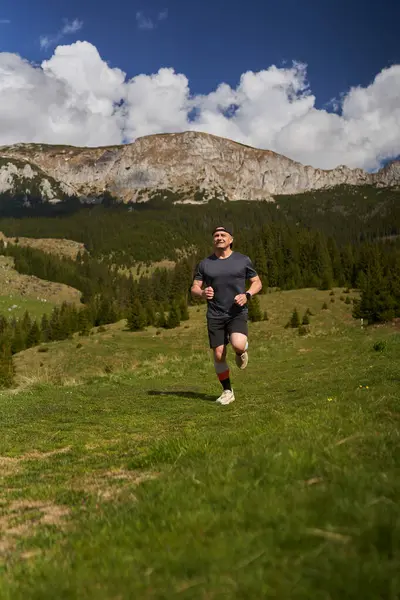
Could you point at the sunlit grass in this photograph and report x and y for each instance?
(129, 482)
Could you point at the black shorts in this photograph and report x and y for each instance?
(220, 328)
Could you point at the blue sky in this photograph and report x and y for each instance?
(344, 44)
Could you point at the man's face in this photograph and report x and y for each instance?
(222, 240)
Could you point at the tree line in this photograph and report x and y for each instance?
(157, 229)
(287, 254)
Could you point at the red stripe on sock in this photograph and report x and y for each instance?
(224, 375)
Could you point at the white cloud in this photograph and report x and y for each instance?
(72, 27)
(75, 97)
(147, 23)
(162, 15)
(69, 28)
(5, 21)
(144, 22)
(70, 99)
(45, 41)
(156, 103)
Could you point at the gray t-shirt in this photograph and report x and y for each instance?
(227, 277)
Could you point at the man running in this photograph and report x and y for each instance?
(224, 275)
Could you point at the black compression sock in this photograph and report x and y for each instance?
(226, 384)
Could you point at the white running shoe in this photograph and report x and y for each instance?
(226, 397)
(242, 360)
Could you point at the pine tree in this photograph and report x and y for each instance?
(272, 264)
(260, 265)
(18, 342)
(106, 311)
(326, 280)
(55, 325)
(84, 324)
(161, 320)
(3, 325)
(7, 369)
(265, 316)
(173, 317)
(305, 320)
(45, 328)
(66, 325)
(377, 303)
(295, 319)
(255, 313)
(150, 313)
(183, 309)
(33, 337)
(335, 260)
(73, 318)
(26, 323)
(136, 320)
(361, 280)
(347, 260)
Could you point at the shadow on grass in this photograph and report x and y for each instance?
(184, 394)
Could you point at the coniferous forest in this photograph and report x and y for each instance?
(344, 237)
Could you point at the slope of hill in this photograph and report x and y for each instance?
(134, 484)
(110, 350)
(194, 165)
(59, 247)
(15, 287)
(348, 213)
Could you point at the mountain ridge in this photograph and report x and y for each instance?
(197, 166)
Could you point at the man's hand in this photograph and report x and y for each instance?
(241, 299)
(208, 293)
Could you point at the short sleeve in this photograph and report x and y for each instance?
(250, 270)
(199, 272)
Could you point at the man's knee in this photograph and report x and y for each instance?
(239, 348)
(239, 342)
(220, 353)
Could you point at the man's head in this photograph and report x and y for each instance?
(222, 238)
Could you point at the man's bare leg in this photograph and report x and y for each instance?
(240, 344)
(222, 371)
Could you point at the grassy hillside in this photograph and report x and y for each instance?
(125, 480)
(29, 292)
(15, 305)
(59, 247)
(111, 349)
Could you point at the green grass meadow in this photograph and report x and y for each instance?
(36, 308)
(122, 479)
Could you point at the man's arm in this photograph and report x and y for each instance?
(196, 289)
(255, 285)
(197, 292)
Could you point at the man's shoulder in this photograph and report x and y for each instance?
(207, 259)
(204, 262)
(242, 257)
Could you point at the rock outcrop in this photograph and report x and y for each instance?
(195, 166)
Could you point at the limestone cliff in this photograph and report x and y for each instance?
(194, 165)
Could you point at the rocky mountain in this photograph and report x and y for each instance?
(21, 176)
(191, 166)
